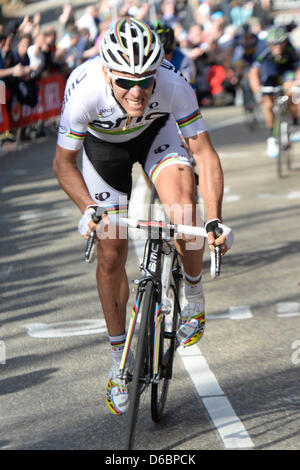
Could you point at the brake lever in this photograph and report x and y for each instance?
(217, 233)
(96, 217)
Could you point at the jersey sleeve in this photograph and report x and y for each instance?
(186, 110)
(73, 126)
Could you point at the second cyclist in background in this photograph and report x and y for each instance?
(241, 54)
(173, 54)
(277, 65)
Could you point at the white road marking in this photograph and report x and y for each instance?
(66, 329)
(228, 122)
(264, 195)
(231, 197)
(45, 215)
(223, 155)
(242, 312)
(228, 425)
(288, 309)
(293, 195)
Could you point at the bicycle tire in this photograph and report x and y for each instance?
(141, 362)
(251, 118)
(286, 143)
(159, 391)
(283, 144)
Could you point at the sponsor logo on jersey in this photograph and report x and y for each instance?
(105, 112)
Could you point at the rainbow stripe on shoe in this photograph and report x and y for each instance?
(197, 332)
(117, 397)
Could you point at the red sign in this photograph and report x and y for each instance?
(50, 98)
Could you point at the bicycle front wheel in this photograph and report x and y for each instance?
(142, 365)
(159, 389)
(284, 147)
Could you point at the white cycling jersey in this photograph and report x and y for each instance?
(89, 106)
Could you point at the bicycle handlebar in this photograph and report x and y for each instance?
(271, 89)
(90, 246)
(164, 227)
(184, 230)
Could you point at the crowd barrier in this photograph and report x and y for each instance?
(50, 98)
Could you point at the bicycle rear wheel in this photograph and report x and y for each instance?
(142, 365)
(159, 389)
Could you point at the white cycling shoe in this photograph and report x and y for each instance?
(117, 389)
(272, 147)
(192, 320)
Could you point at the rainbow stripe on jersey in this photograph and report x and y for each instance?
(76, 135)
(190, 119)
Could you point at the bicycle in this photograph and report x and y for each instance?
(158, 301)
(281, 127)
(252, 109)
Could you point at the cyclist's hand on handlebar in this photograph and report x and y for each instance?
(219, 234)
(86, 223)
(90, 219)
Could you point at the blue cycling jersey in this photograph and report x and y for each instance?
(185, 65)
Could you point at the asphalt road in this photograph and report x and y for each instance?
(238, 389)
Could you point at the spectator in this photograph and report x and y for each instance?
(184, 13)
(90, 20)
(36, 56)
(262, 10)
(94, 49)
(215, 29)
(24, 87)
(135, 8)
(84, 43)
(29, 26)
(196, 47)
(52, 63)
(168, 9)
(15, 71)
(66, 19)
(240, 11)
(73, 55)
(203, 13)
(173, 54)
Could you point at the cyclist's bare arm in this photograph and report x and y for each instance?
(211, 181)
(254, 79)
(70, 178)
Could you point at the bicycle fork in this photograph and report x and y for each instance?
(152, 270)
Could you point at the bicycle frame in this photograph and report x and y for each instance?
(152, 269)
(281, 125)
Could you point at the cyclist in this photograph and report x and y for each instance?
(173, 54)
(241, 53)
(245, 47)
(123, 107)
(276, 65)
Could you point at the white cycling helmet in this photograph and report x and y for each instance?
(131, 46)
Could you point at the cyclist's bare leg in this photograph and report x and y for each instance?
(112, 283)
(175, 185)
(268, 103)
(176, 188)
(293, 107)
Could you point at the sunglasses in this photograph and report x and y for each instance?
(127, 83)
